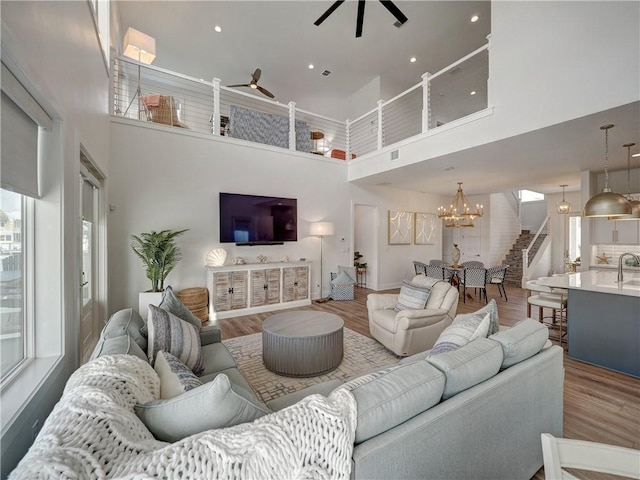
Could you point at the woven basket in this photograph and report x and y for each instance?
(196, 299)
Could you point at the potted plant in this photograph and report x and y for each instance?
(159, 254)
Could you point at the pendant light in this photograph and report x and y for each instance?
(635, 204)
(459, 214)
(563, 207)
(607, 203)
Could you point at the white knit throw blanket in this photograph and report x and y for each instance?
(94, 433)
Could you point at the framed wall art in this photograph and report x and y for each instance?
(400, 227)
(425, 227)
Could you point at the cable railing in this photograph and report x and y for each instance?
(153, 94)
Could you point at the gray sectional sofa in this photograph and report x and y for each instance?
(477, 412)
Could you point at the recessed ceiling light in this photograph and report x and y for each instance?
(413, 59)
(218, 28)
(475, 18)
(311, 66)
(473, 92)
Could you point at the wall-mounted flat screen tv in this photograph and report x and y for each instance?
(257, 220)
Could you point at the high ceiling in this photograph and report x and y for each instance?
(280, 38)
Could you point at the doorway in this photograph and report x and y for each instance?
(89, 277)
(365, 242)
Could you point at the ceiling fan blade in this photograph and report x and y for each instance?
(256, 75)
(239, 85)
(329, 11)
(395, 11)
(265, 91)
(360, 18)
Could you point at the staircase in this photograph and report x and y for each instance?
(513, 277)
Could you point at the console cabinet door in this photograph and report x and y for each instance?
(295, 282)
(230, 290)
(265, 287)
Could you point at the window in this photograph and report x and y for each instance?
(22, 123)
(100, 10)
(529, 196)
(12, 284)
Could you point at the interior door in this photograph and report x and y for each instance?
(89, 324)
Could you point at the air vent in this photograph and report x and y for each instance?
(395, 154)
(326, 73)
(383, 183)
(398, 24)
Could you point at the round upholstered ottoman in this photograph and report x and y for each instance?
(302, 343)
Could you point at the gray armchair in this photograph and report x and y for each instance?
(412, 331)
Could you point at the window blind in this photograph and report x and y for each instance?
(21, 118)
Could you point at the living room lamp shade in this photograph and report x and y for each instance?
(563, 207)
(139, 46)
(459, 214)
(321, 229)
(635, 204)
(607, 203)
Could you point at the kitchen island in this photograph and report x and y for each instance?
(603, 318)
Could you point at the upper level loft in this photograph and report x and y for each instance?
(151, 94)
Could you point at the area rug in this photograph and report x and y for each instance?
(361, 354)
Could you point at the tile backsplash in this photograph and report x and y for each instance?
(602, 255)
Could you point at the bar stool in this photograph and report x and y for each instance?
(547, 297)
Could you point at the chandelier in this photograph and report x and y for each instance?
(459, 214)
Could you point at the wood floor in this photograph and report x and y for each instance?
(599, 405)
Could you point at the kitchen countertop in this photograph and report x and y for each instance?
(603, 281)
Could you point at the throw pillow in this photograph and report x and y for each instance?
(123, 322)
(492, 308)
(465, 328)
(343, 279)
(351, 271)
(171, 334)
(175, 376)
(173, 305)
(412, 297)
(213, 405)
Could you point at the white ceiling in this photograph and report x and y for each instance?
(280, 38)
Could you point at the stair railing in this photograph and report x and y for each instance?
(545, 227)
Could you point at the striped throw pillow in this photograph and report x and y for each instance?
(171, 334)
(175, 376)
(465, 328)
(412, 297)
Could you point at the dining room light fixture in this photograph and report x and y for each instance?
(563, 207)
(459, 214)
(635, 203)
(607, 203)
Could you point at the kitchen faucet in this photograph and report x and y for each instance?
(636, 257)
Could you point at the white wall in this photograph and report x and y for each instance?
(560, 227)
(541, 61)
(164, 178)
(55, 46)
(504, 227)
(361, 101)
(365, 226)
(532, 214)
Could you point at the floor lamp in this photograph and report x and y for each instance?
(321, 229)
(141, 47)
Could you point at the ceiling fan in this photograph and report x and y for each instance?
(254, 84)
(389, 5)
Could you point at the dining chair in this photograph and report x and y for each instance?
(436, 262)
(473, 277)
(496, 276)
(435, 271)
(420, 267)
(589, 456)
(473, 263)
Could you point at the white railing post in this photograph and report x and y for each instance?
(348, 140)
(426, 102)
(292, 125)
(380, 102)
(525, 266)
(215, 119)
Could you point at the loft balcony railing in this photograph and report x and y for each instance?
(151, 94)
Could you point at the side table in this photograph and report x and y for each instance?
(361, 277)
